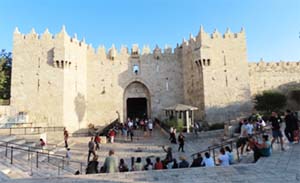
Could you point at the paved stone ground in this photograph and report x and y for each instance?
(149, 146)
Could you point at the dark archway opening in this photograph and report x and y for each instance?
(137, 108)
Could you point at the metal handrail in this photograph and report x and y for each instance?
(230, 142)
(33, 130)
(25, 146)
(47, 154)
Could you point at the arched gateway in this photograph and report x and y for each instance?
(137, 101)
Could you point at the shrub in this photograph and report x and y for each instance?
(270, 101)
(295, 95)
(216, 126)
(178, 124)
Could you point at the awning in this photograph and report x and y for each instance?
(181, 107)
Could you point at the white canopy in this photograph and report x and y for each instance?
(181, 107)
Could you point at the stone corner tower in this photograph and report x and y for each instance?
(215, 72)
(48, 78)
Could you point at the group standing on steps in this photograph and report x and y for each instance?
(263, 148)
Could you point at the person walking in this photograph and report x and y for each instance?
(289, 126)
(112, 135)
(97, 141)
(150, 127)
(172, 137)
(66, 137)
(181, 142)
(243, 138)
(91, 146)
(276, 131)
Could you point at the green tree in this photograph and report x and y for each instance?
(5, 74)
(270, 101)
(295, 95)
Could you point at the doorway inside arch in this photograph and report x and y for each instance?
(137, 108)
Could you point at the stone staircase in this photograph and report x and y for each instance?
(25, 162)
(280, 167)
(242, 172)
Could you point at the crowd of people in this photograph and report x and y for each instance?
(111, 165)
(126, 130)
(261, 147)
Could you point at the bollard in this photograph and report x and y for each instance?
(11, 154)
(28, 153)
(214, 156)
(63, 163)
(132, 162)
(237, 153)
(6, 149)
(37, 159)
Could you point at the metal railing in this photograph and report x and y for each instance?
(29, 130)
(40, 155)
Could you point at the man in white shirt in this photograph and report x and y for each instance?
(243, 136)
(130, 123)
(249, 128)
(208, 161)
(223, 158)
(150, 127)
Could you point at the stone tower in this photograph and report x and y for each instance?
(48, 78)
(215, 72)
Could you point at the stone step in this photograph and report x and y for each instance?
(44, 169)
(4, 171)
(17, 142)
(7, 138)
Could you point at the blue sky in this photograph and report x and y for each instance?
(272, 26)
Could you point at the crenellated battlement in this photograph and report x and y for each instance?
(111, 53)
(274, 66)
(207, 70)
(47, 36)
(217, 35)
(286, 67)
(207, 38)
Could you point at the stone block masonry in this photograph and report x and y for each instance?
(60, 80)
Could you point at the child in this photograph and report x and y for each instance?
(42, 143)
